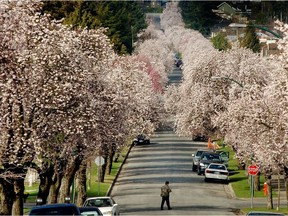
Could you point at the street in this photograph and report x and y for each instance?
(168, 157)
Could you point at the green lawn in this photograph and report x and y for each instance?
(240, 183)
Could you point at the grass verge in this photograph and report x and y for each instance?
(94, 188)
(240, 182)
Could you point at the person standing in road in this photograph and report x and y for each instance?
(165, 191)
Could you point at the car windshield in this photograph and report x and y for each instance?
(199, 153)
(99, 202)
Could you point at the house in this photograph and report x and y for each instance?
(226, 8)
(226, 11)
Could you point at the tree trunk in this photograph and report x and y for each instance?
(82, 193)
(104, 153)
(17, 208)
(111, 156)
(110, 163)
(278, 197)
(45, 184)
(286, 183)
(68, 178)
(65, 187)
(117, 157)
(7, 196)
(241, 165)
(54, 188)
(257, 182)
(269, 195)
(103, 169)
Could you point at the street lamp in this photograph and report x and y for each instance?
(227, 78)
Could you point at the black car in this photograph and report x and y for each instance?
(55, 209)
(141, 139)
(200, 137)
(207, 158)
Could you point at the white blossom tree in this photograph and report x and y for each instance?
(65, 97)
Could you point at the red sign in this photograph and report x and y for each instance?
(253, 169)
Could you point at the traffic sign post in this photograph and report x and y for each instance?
(99, 161)
(252, 170)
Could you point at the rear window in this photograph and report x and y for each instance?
(99, 202)
(216, 166)
(213, 157)
(68, 210)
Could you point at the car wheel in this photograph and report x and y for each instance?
(205, 179)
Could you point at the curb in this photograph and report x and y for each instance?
(229, 191)
(119, 171)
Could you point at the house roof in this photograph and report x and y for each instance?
(225, 3)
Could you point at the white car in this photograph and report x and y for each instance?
(106, 205)
(217, 171)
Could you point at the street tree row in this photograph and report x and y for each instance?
(66, 97)
(236, 95)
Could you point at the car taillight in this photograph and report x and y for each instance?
(208, 171)
(224, 173)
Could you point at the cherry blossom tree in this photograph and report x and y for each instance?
(56, 65)
(171, 16)
(157, 52)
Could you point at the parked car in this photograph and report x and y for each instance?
(55, 209)
(106, 205)
(207, 158)
(141, 139)
(90, 211)
(262, 213)
(218, 172)
(196, 157)
(200, 137)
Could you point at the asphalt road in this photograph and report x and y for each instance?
(175, 77)
(168, 157)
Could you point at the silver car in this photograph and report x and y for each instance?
(195, 158)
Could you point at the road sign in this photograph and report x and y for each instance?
(253, 169)
(99, 160)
